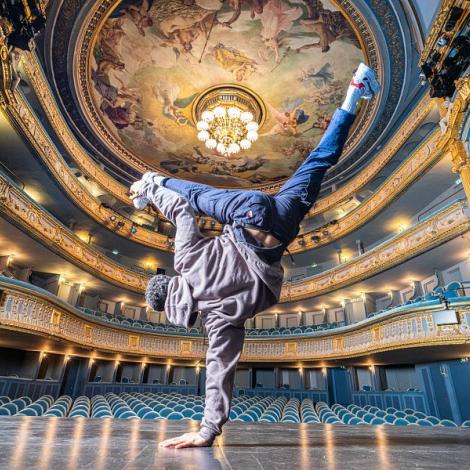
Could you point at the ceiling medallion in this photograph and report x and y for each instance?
(228, 118)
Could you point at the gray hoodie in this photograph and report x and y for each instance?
(227, 283)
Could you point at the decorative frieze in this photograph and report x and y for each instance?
(29, 312)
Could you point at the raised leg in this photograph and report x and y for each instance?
(223, 205)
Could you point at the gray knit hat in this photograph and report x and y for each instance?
(157, 291)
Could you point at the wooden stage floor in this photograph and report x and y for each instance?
(114, 444)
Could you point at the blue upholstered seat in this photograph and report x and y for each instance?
(447, 423)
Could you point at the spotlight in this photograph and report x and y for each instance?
(113, 218)
(443, 41)
(315, 239)
(133, 230)
(120, 224)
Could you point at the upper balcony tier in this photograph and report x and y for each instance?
(437, 228)
(32, 311)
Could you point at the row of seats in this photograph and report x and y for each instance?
(244, 409)
(451, 291)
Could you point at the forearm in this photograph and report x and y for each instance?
(225, 347)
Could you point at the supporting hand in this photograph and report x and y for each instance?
(190, 439)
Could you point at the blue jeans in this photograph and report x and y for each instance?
(280, 214)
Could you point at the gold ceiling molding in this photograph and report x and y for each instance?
(26, 310)
(30, 125)
(445, 225)
(423, 158)
(38, 81)
(19, 207)
(100, 11)
(86, 164)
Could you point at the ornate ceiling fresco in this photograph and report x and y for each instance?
(151, 62)
(129, 73)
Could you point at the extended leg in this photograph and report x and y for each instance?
(223, 205)
(299, 193)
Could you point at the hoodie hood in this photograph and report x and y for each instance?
(179, 305)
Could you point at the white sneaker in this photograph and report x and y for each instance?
(364, 78)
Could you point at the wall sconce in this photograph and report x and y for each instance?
(92, 361)
(324, 370)
(168, 366)
(197, 369)
(117, 363)
(372, 368)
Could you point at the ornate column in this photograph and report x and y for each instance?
(461, 164)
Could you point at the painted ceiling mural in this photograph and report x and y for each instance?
(152, 59)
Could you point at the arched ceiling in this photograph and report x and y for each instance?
(129, 72)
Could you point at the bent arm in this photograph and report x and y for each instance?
(178, 211)
(225, 348)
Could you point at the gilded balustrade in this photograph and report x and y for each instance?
(28, 311)
(21, 209)
(445, 225)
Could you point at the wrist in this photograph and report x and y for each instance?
(207, 434)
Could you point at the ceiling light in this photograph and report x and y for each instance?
(228, 118)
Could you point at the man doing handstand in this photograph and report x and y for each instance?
(232, 277)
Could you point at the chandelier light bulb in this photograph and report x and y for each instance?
(245, 144)
(211, 144)
(233, 148)
(219, 112)
(207, 116)
(246, 116)
(203, 126)
(252, 126)
(221, 148)
(234, 112)
(252, 136)
(203, 135)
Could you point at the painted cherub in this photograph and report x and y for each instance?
(288, 120)
(277, 20)
(139, 16)
(234, 61)
(167, 94)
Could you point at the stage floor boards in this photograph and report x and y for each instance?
(67, 443)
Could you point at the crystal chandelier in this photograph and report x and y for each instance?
(227, 129)
(228, 118)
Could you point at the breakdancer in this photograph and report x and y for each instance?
(232, 277)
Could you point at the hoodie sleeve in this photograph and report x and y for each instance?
(178, 211)
(225, 348)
